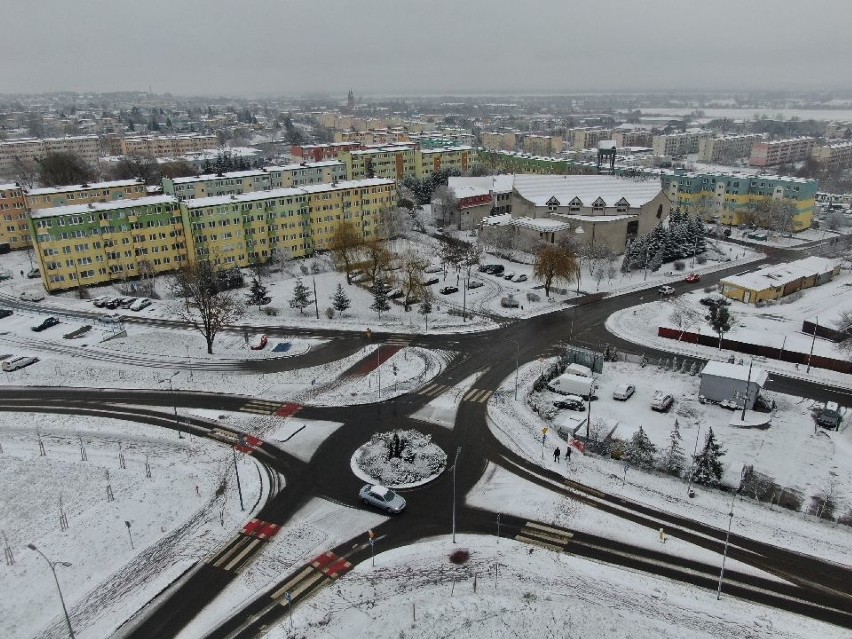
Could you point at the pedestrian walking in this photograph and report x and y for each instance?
(197, 492)
(567, 454)
(556, 454)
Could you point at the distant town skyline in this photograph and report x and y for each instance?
(392, 47)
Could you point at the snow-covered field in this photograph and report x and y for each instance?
(512, 589)
(175, 517)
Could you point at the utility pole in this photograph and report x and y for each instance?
(379, 367)
(455, 464)
(813, 341)
(174, 400)
(748, 386)
(237, 471)
(316, 303)
(517, 358)
(53, 565)
(725, 552)
(694, 452)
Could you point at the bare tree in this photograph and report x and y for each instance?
(412, 277)
(60, 169)
(25, 172)
(843, 324)
(346, 248)
(376, 256)
(683, 316)
(204, 307)
(448, 207)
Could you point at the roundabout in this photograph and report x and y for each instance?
(399, 459)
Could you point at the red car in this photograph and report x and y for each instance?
(693, 277)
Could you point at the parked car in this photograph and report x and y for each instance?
(33, 273)
(382, 497)
(47, 323)
(571, 402)
(666, 290)
(623, 392)
(509, 302)
(113, 303)
(144, 302)
(521, 278)
(5, 312)
(360, 277)
(127, 302)
(100, 301)
(495, 269)
(574, 385)
(431, 280)
(432, 268)
(509, 276)
(449, 289)
(475, 284)
(395, 294)
(661, 402)
(829, 416)
(5, 275)
(692, 277)
(111, 318)
(32, 296)
(14, 363)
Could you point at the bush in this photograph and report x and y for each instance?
(458, 313)
(709, 289)
(701, 259)
(532, 297)
(792, 297)
(270, 311)
(460, 556)
(679, 265)
(329, 313)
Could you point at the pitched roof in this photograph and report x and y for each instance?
(538, 189)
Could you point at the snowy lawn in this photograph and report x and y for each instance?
(811, 460)
(175, 516)
(526, 592)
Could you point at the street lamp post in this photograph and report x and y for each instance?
(694, 452)
(455, 464)
(517, 357)
(725, 552)
(53, 565)
(747, 389)
(174, 401)
(379, 367)
(813, 341)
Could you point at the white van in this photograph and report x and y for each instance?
(14, 363)
(579, 370)
(566, 384)
(32, 296)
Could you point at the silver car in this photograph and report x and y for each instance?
(382, 497)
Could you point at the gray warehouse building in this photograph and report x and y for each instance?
(721, 381)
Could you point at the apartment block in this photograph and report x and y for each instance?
(637, 137)
(87, 147)
(211, 185)
(15, 227)
(428, 161)
(726, 149)
(391, 162)
(837, 154)
(162, 146)
(97, 243)
(321, 152)
(726, 197)
(543, 144)
(306, 173)
(676, 144)
(45, 198)
(499, 141)
(775, 152)
(239, 230)
(372, 136)
(587, 137)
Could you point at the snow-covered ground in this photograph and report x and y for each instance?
(511, 589)
(175, 517)
(816, 457)
(778, 326)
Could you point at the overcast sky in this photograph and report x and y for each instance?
(282, 47)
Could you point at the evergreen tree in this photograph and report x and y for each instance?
(301, 297)
(673, 458)
(657, 261)
(340, 301)
(380, 296)
(640, 451)
(706, 467)
(721, 321)
(257, 293)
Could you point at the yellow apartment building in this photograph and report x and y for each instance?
(98, 243)
(45, 198)
(428, 161)
(161, 146)
(395, 162)
(15, 229)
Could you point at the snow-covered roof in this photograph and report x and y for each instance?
(607, 145)
(492, 183)
(218, 176)
(779, 275)
(10, 186)
(543, 224)
(538, 189)
(497, 220)
(54, 190)
(738, 372)
(254, 196)
(595, 219)
(446, 149)
(469, 191)
(76, 209)
(303, 165)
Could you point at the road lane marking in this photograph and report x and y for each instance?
(243, 553)
(280, 592)
(536, 542)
